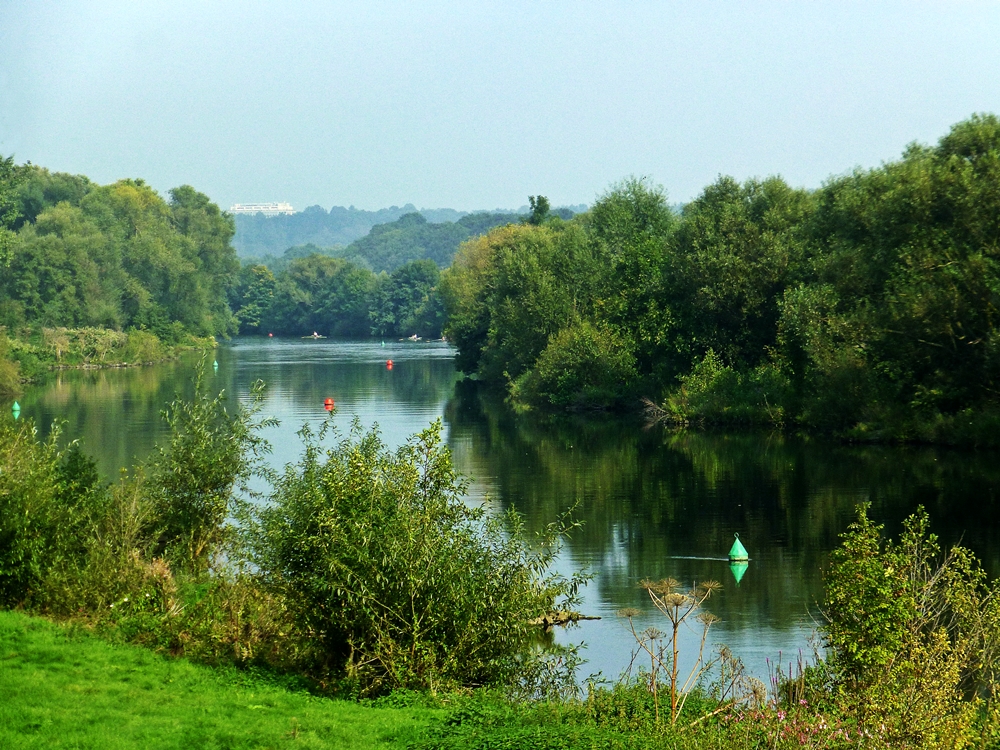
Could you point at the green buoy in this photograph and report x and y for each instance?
(738, 553)
(738, 570)
(215, 365)
(16, 410)
(739, 560)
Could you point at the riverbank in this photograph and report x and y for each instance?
(886, 425)
(62, 687)
(28, 354)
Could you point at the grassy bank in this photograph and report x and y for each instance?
(61, 687)
(27, 354)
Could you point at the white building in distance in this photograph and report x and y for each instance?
(268, 209)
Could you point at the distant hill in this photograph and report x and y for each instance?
(258, 235)
(412, 237)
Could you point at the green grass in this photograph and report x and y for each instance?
(62, 688)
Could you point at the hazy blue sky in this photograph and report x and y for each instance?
(477, 105)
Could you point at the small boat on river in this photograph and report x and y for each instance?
(314, 336)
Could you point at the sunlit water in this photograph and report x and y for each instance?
(649, 499)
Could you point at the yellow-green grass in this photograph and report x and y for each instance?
(62, 688)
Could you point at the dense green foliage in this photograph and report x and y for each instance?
(411, 237)
(365, 570)
(117, 256)
(106, 275)
(280, 264)
(402, 583)
(335, 297)
(363, 567)
(912, 635)
(70, 542)
(868, 307)
(384, 284)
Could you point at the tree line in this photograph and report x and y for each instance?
(77, 254)
(868, 306)
(106, 274)
(335, 297)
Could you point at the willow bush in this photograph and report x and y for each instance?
(398, 580)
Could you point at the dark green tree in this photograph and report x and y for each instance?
(539, 209)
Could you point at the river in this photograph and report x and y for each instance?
(650, 498)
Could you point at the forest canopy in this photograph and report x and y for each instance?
(118, 256)
(869, 305)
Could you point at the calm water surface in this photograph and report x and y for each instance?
(649, 498)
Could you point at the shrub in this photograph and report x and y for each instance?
(401, 583)
(582, 366)
(911, 633)
(47, 499)
(108, 562)
(10, 371)
(715, 393)
(142, 346)
(210, 453)
(29, 513)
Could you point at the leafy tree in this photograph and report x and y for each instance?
(406, 302)
(630, 228)
(539, 209)
(211, 453)
(737, 249)
(10, 177)
(412, 237)
(252, 296)
(42, 189)
(343, 305)
(60, 272)
(114, 256)
(319, 293)
(911, 634)
(211, 233)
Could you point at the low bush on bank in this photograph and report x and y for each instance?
(10, 371)
(715, 393)
(400, 583)
(583, 366)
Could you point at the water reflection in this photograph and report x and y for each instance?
(116, 413)
(650, 499)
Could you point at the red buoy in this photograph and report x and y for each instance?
(328, 404)
(270, 335)
(388, 364)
